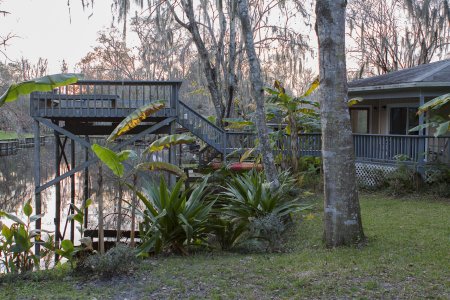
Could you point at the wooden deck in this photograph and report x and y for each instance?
(104, 100)
(96, 107)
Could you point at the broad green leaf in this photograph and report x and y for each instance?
(6, 232)
(246, 154)
(162, 166)
(135, 118)
(27, 209)
(314, 85)
(237, 123)
(67, 246)
(271, 91)
(307, 111)
(435, 103)
(279, 86)
(212, 119)
(302, 100)
(76, 217)
(125, 154)
(169, 140)
(420, 127)
(36, 217)
(11, 217)
(42, 84)
(288, 129)
(442, 129)
(109, 158)
(354, 101)
(88, 203)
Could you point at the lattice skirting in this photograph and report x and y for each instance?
(372, 175)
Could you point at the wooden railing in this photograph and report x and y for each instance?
(104, 99)
(201, 127)
(368, 147)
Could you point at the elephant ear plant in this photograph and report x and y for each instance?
(17, 242)
(68, 250)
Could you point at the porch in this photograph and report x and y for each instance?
(368, 148)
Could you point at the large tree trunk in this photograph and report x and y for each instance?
(203, 54)
(342, 217)
(258, 95)
(294, 142)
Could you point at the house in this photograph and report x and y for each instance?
(391, 100)
(381, 122)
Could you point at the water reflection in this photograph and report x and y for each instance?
(17, 186)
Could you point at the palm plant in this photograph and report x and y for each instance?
(293, 108)
(173, 219)
(440, 122)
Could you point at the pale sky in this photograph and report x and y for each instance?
(45, 29)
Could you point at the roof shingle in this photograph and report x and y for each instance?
(433, 72)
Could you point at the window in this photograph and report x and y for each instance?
(360, 120)
(402, 119)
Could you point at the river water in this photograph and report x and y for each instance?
(17, 186)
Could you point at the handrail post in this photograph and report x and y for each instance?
(174, 97)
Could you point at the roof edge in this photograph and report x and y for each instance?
(399, 86)
(432, 72)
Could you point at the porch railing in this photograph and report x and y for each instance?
(368, 147)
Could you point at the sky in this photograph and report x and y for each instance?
(46, 29)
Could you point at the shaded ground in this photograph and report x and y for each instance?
(407, 256)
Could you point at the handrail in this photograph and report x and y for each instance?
(201, 127)
(130, 82)
(199, 115)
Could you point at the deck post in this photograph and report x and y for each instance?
(57, 219)
(37, 177)
(72, 190)
(172, 155)
(86, 183)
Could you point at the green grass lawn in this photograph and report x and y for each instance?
(6, 135)
(407, 257)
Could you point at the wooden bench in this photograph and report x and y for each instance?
(53, 100)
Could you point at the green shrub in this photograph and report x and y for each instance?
(173, 219)
(401, 181)
(18, 240)
(119, 259)
(438, 179)
(227, 233)
(249, 210)
(268, 229)
(249, 196)
(310, 172)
